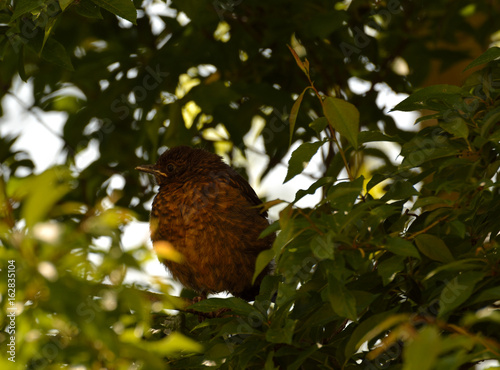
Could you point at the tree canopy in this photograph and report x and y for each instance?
(396, 266)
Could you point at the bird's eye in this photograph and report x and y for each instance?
(170, 167)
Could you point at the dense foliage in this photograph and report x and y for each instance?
(395, 267)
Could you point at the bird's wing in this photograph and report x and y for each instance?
(235, 180)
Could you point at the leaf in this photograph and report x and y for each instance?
(372, 327)
(65, 3)
(263, 259)
(48, 29)
(434, 248)
(121, 8)
(457, 127)
(322, 246)
(371, 136)
(88, 9)
(344, 118)
(423, 351)
(402, 247)
(294, 112)
(433, 97)
(431, 201)
(54, 52)
(302, 66)
(400, 190)
(459, 265)
(342, 301)
(319, 124)
(388, 268)
(108, 221)
(43, 191)
(489, 55)
(342, 196)
(458, 290)
(174, 343)
(269, 365)
(25, 6)
(489, 121)
(491, 294)
(312, 189)
(281, 334)
(300, 158)
(165, 250)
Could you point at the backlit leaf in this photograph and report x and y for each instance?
(294, 112)
(422, 352)
(344, 117)
(300, 158)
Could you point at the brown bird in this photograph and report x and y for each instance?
(211, 215)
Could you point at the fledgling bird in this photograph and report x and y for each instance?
(210, 214)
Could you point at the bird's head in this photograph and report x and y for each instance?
(179, 164)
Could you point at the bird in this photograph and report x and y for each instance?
(211, 215)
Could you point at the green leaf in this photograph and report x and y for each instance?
(54, 52)
(25, 6)
(458, 290)
(65, 3)
(423, 351)
(294, 113)
(304, 66)
(371, 328)
(300, 158)
(281, 334)
(371, 136)
(400, 190)
(344, 118)
(342, 196)
(459, 265)
(489, 55)
(269, 365)
(457, 127)
(88, 9)
(388, 268)
(402, 247)
(263, 259)
(312, 189)
(434, 248)
(434, 97)
(491, 294)
(342, 301)
(174, 343)
(43, 191)
(322, 246)
(431, 201)
(319, 124)
(121, 8)
(489, 121)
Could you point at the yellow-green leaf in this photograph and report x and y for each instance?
(344, 117)
(302, 66)
(422, 352)
(122, 8)
(294, 112)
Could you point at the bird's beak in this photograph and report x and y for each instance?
(148, 168)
